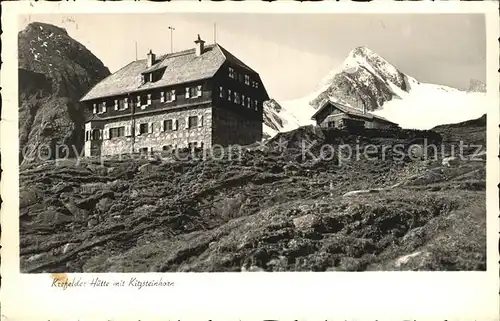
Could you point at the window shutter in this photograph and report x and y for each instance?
(187, 122)
(162, 97)
(127, 130)
(162, 125)
(149, 99)
(94, 110)
(138, 101)
(137, 129)
(200, 121)
(150, 128)
(116, 104)
(187, 92)
(106, 133)
(173, 94)
(104, 107)
(174, 124)
(198, 91)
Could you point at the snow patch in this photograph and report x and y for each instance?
(429, 105)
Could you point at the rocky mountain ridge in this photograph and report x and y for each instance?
(54, 72)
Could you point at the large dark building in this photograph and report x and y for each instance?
(199, 97)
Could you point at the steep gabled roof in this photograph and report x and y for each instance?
(180, 67)
(349, 111)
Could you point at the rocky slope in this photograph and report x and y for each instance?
(476, 86)
(54, 72)
(272, 209)
(367, 79)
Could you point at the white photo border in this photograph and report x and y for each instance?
(248, 296)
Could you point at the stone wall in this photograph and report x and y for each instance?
(229, 128)
(156, 138)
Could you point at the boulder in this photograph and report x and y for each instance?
(450, 161)
(307, 222)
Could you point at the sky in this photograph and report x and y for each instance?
(293, 52)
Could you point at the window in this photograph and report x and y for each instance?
(232, 74)
(221, 92)
(193, 92)
(94, 109)
(192, 121)
(192, 145)
(96, 134)
(243, 100)
(248, 102)
(170, 95)
(149, 99)
(125, 103)
(229, 94)
(247, 80)
(143, 128)
(117, 132)
(120, 104)
(256, 104)
(255, 84)
(240, 77)
(143, 150)
(102, 108)
(167, 147)
(167, 96)
(237, 98)
(168, 124)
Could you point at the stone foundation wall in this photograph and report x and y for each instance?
(155, 139)
(229, 128)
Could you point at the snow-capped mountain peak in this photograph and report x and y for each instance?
(365, 79)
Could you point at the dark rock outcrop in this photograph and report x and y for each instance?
(55, 71)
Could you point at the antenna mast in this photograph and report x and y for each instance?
(215, 33)
(171, 38)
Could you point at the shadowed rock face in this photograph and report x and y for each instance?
(55, 71)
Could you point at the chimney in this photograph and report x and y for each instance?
(200, 46)
(364, 108)
(151, 58)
